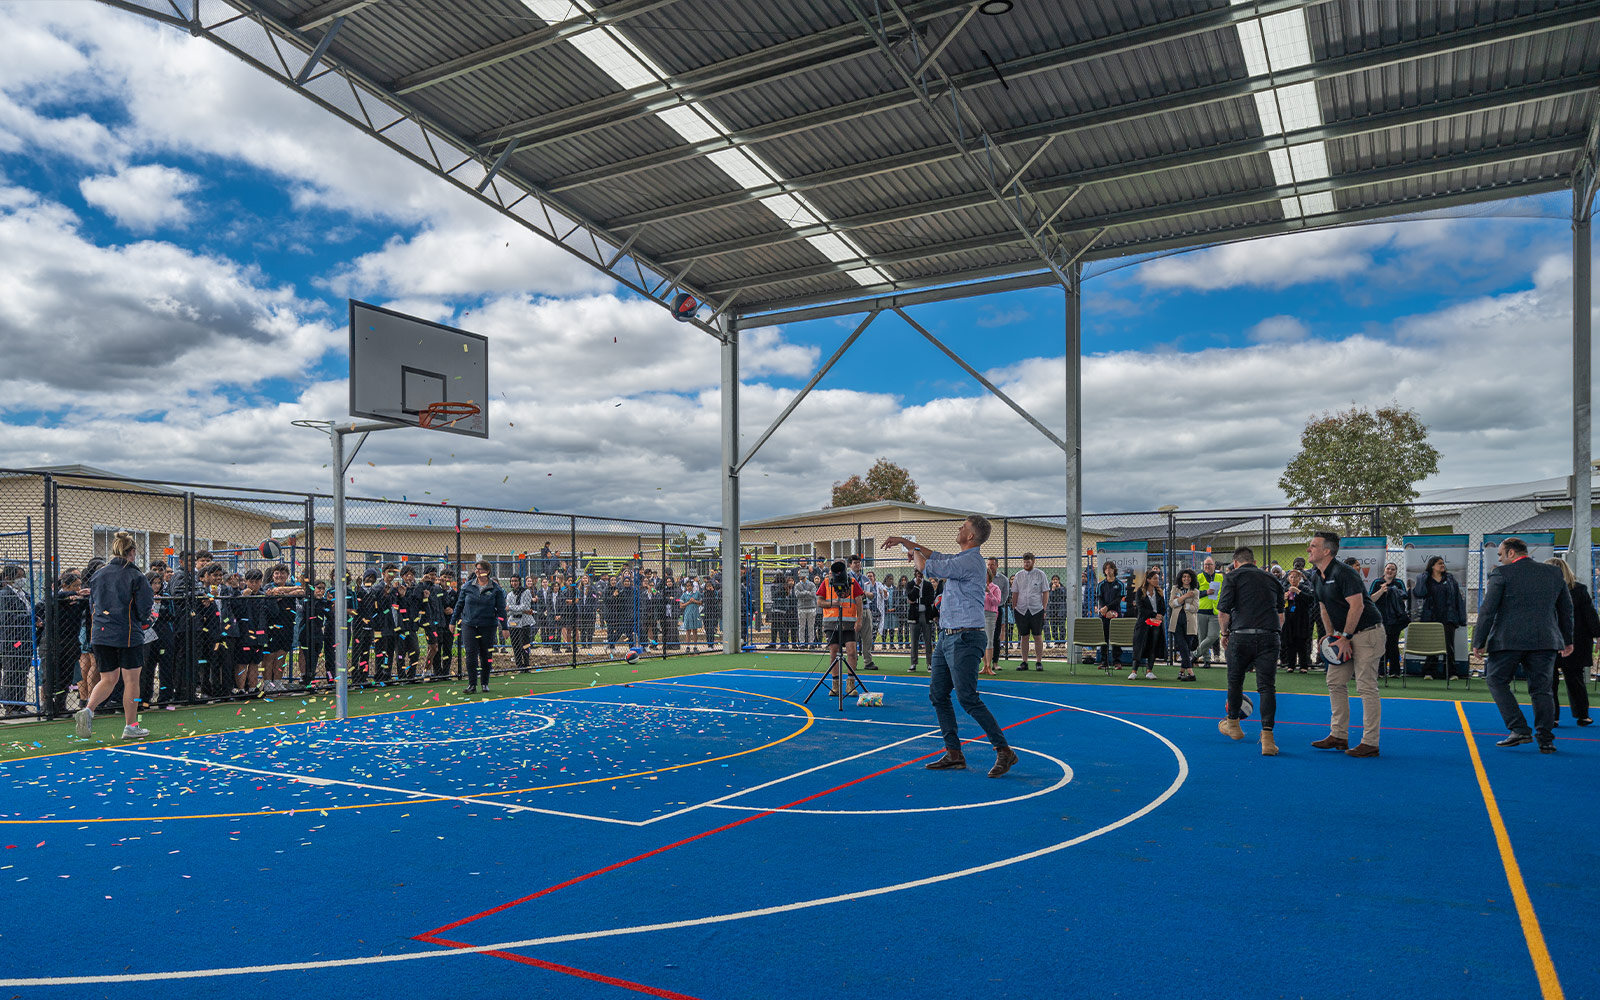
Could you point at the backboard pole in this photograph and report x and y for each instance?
(341, 595)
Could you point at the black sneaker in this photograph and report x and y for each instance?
(471, 690)
(1547, 747)
(871, 665)
(1024, 665)
(1039, 666)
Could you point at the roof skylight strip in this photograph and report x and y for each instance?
(615, 56)
(1271, 44)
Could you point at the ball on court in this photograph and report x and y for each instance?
(1246, 707)
(1329, 649)
(631, 656)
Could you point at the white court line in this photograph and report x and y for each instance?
(720, 918)
(720, 711)
(310, 780)
(548, 722)
(1066, 778)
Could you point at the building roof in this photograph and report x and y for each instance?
(775, 155)
(1554, 519)
(1536, 489)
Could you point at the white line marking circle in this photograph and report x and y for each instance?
(1066, 777)
(548, 722)
(720, 918)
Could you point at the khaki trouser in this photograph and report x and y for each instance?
(1368, 651)
(864, 632)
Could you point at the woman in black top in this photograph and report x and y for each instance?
(120, 606)
(1575, 668)
(1299, 606)
(1108, 605)
(1389, 594)
(1149, 609)
(1441, 601)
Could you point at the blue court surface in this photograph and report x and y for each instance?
(711, 837)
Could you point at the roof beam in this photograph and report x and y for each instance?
(323, 13)
(1587, 175)
(1089, 227)
(762, 66)
(1042, 62)
(992, 280)
(1124, 113)
(1064, 184)
(607, 16)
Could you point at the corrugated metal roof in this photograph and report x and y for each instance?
(1137, 121)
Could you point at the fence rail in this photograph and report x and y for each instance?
(594, 587)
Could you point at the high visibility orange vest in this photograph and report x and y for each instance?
(840, 615)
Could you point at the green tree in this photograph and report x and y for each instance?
(884, 481)
(1360, 458)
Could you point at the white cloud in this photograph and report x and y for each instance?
(137, 328)
(142, 198)
(1276, 329)
(1279, 262)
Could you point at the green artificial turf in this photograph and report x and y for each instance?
(33, 739)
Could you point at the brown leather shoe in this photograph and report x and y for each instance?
(1003, 759)
(1363, 750)
(1332, 742)
(953, 760)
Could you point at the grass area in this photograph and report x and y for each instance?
(34, 739)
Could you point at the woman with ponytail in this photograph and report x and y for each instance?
(120, 605)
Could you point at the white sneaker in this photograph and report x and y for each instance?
(85, 720)
(133, 732)
(1150, 676)
(1133, 676)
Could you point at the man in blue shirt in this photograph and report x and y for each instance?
(959, 650)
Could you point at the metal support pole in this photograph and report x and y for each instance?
(732, 589)
(52, 571)
(572, 578)
(341, 590)
(1579, 549)
(1074, 428)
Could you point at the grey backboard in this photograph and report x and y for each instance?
(399, 364)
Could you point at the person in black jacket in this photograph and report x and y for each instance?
(401, 611)
(922, 615)
(711, 608)
(364, 630)
(1389, 594)
(1148, 606)
(1108, 605)
(1575, 666)
(1441, 601)
(254, 618)
(1524, 623)
(1299, 611)
(120, 603)
(480, 614)
(16, 640)
(159, 682)
(316, 635)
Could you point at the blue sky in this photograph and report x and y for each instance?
(179, 267)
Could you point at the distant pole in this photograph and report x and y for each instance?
(1074, 432)
(1579, 548)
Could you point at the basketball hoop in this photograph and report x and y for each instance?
(446, 414)
(315, 425)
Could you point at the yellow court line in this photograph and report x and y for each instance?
(1549, 984)
(810, 721)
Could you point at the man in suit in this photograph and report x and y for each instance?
(1525, 619)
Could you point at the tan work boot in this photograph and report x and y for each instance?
(1269, 746)
(1230, 729)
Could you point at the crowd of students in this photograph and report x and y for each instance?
(216, 633)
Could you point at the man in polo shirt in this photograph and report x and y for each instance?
(1028, 589)
(959, 650)
(1350, 617)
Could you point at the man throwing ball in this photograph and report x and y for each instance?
(961, 642)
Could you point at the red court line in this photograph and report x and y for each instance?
(595, 977)
(699, 836)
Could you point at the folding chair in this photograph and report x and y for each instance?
(1085, 632)
(1121, 635)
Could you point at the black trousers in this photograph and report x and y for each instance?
(1390, 665)
(1256, 651)
(521, 635)
(478, 650)
(360, 654)
(1576, 673)
(922, 632)
(401, 654)
(1110, 655)
(312, 650)
(1539, 666)
(1296, 650)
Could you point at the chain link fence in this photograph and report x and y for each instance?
(244, 579)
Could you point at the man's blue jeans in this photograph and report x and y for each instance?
(954, 666)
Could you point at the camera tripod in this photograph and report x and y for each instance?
(838, 667)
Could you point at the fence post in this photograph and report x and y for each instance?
(189, 673)
(661, 626)
(52, 641)
(1377, 519)
(309, 538)
(577, 612)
